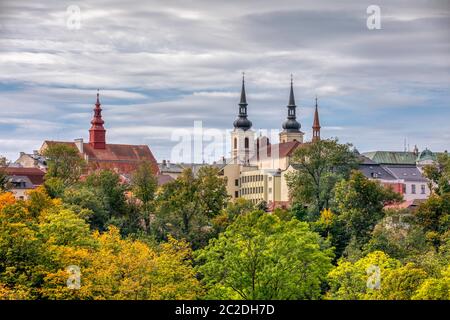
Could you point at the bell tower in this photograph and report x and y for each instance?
(291, 127)
(242, 137)
(97, 133)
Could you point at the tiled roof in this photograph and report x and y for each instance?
(407, 173)
(284, 149)
(375, 171)
(35, 175)
(122, 157)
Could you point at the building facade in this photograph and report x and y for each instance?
(257, 168)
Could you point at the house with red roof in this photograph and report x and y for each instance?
(21, 180)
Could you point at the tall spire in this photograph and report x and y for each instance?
(316, 124)
(241, 121)
(243, 96)
(97, 133)
(291, 124)
(291, 94)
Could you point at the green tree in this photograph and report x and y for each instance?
(187, 205)
(228, 215)
(319, 166)
(439, 174)
(435, 288)
(4, 185)
(349, 281)
(144, 185)
(359, 203)
(110, 190)
(64, 162)
(260, 256)
(401, 241)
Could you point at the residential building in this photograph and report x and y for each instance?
(21, 180)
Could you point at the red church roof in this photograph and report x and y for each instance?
(285, 149)
(123, 158)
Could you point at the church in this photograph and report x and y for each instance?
(257, 168)
(99, 155)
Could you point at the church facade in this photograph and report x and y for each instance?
(257, 168)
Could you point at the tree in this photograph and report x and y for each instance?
(349, 281)
(4, 185)
(109, 189)
(144, 185)
(319, 166)
(260, 256)
(123, 269)
(401, 283)
(359, 203)
(401, 241)
(434, 213)
(40, 238)
(87, 203)
(439, 174)
(435, 288)
(187, 205)
(64, 162)
(228, 215)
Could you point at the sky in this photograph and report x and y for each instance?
(162, 65)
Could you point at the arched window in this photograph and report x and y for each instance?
(246, 143)
(235, 143)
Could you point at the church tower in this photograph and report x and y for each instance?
(242, 137)
(291, 127)
(97, 133)
(316, 125)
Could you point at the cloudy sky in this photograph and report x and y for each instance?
(161, 65)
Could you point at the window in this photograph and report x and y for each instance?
(235, 143)
(403, 188)
(270, 178)
(246, 143)
(422, 189)
(270, 190)
(236, 182)
(236, 194)
(413, 188)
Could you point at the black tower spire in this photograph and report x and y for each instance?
(241, 121)
(291, 124)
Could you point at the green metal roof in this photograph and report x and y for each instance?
(392, 157)
(401, 157)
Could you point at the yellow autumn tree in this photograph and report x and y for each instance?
(124, 269)
(6, 198)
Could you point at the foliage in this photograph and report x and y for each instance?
(63, 162)
(439, 174)
(186, 206)
(348, 281)
(260, 256)
(319, 166)
(4, 184)
(359, 203)
(40, 238)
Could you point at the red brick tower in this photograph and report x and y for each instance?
(97, 133)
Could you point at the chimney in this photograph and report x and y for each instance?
(22, 153)
(164, 163)
(79, 144)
